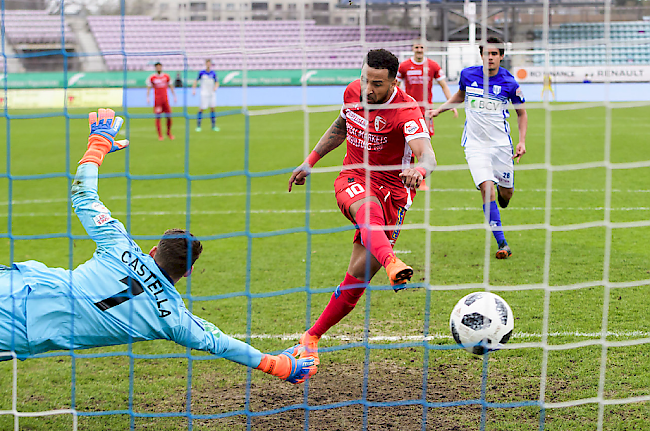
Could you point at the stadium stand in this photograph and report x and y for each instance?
(30, 26)
(31, 32)
(147, 41)
(630, 44)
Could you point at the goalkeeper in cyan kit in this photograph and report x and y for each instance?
(121, 295)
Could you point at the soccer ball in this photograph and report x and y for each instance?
(481, 319)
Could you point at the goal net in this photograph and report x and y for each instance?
(578, 222)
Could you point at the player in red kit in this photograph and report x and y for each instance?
(414, 72)
(391, 131)
(160, 82)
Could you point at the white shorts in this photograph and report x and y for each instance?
(491, 164)
(208, 101)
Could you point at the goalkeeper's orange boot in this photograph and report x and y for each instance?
(398, 273)
(423, 186)
(309, 349)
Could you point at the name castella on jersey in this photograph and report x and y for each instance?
(155, 286)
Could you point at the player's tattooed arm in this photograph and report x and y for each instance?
(333, 137)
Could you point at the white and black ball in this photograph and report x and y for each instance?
(480, 320)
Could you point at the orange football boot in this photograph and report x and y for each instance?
(504, 252)
(398, 272)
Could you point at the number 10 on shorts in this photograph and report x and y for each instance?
(354, 190)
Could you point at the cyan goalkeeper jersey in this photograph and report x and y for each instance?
(120, 295)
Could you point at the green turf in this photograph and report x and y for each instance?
(218, 206)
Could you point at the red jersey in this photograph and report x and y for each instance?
(388, 133)
(412, 73)
(159, 84)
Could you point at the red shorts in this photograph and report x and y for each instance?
(161, 107)
(350, 188)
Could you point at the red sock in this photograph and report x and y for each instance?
(158, 126)
(169, 125)
(376, 241)
(341, 303)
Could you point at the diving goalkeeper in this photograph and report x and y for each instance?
(121, 295)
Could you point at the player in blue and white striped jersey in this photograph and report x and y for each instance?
(486, 138)
(208, 84)
(121, 295)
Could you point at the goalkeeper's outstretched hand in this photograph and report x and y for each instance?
(299, 369)
(104, 126)
(287, 366)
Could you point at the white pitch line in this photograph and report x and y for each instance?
(159, 196)
(282, 192)
(321, 211)
(439, 336)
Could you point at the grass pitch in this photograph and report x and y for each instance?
(283, 256)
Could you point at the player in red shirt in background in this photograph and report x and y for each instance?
(412, 74)
(391, 135)
(160, 82)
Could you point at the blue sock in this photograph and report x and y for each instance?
(495, 220)
(213, 117)
(198, 118)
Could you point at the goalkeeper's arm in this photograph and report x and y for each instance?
(93, 215)
(199, 334)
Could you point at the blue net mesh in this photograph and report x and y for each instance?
(248, 176)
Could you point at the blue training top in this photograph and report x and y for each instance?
(120, 295)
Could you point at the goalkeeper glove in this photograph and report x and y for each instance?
(286, 366)
(104, 126)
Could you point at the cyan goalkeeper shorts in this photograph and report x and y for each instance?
(13, 306)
